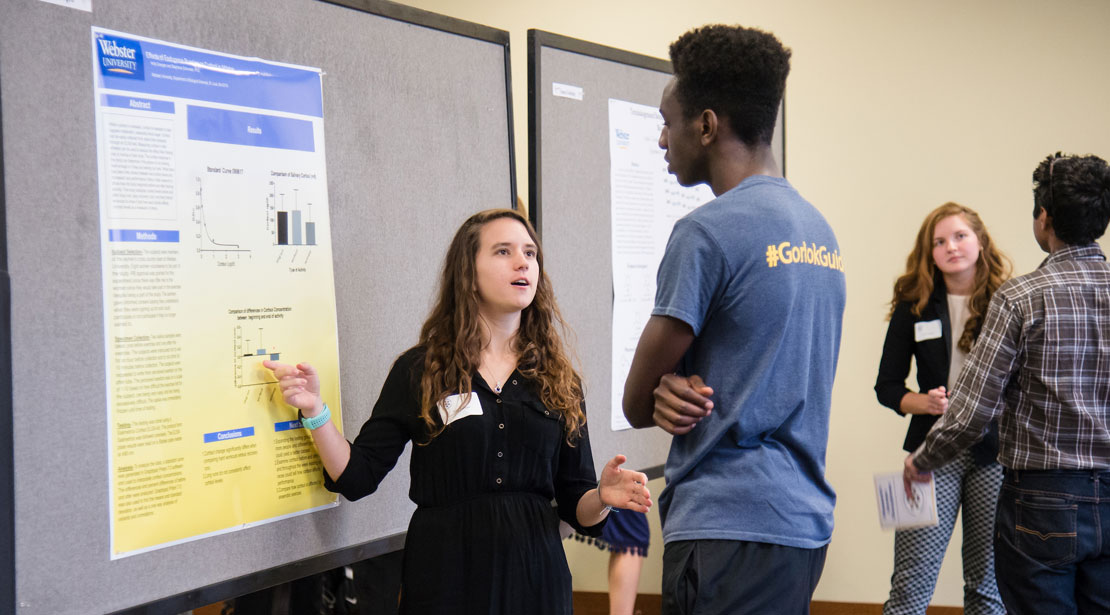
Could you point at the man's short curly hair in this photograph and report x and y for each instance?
(738, 72)
(1075, 191)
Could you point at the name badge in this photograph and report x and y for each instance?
(451, 408)
(926, 330)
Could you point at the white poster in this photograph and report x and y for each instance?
(216, 256)
(646, 202)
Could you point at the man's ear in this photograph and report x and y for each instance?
(708, 125)
(1044, 219)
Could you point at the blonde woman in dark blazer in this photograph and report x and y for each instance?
(935, 316)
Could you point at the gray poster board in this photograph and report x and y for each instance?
(569, 203)
(418, 126)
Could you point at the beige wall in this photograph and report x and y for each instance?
(893, 107)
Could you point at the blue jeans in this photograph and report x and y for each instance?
(1052, 541)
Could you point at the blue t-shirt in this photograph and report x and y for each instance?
(758, 275)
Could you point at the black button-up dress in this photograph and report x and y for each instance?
(484, 538)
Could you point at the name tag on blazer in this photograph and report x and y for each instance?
(451, 409)
(926, 330)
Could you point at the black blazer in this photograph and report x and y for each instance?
(932, 358)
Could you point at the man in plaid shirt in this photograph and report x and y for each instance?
(1041, 366)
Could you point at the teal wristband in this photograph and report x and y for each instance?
(317, 421)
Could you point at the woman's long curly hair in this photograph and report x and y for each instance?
(452, 334)
(916, 284)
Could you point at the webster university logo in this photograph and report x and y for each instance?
(119, 57)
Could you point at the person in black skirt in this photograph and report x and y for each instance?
(496, 414)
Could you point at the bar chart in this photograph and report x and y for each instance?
(248, 354)
(291, 216)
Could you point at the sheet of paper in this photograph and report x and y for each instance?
(645, 203)
(216, 255)
(83, 5)
(896, 511)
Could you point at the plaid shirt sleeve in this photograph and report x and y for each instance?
(979, 394)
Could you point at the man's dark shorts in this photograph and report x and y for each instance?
(713, 577)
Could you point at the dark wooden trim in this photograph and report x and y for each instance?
(597, 603)
(859, 608)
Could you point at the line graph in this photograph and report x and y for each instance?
(209, 242)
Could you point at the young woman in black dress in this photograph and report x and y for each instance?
(495, 411)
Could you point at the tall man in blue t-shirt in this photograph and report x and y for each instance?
(737, 360)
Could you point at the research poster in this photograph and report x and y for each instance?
(215, 257)
(645, 203)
